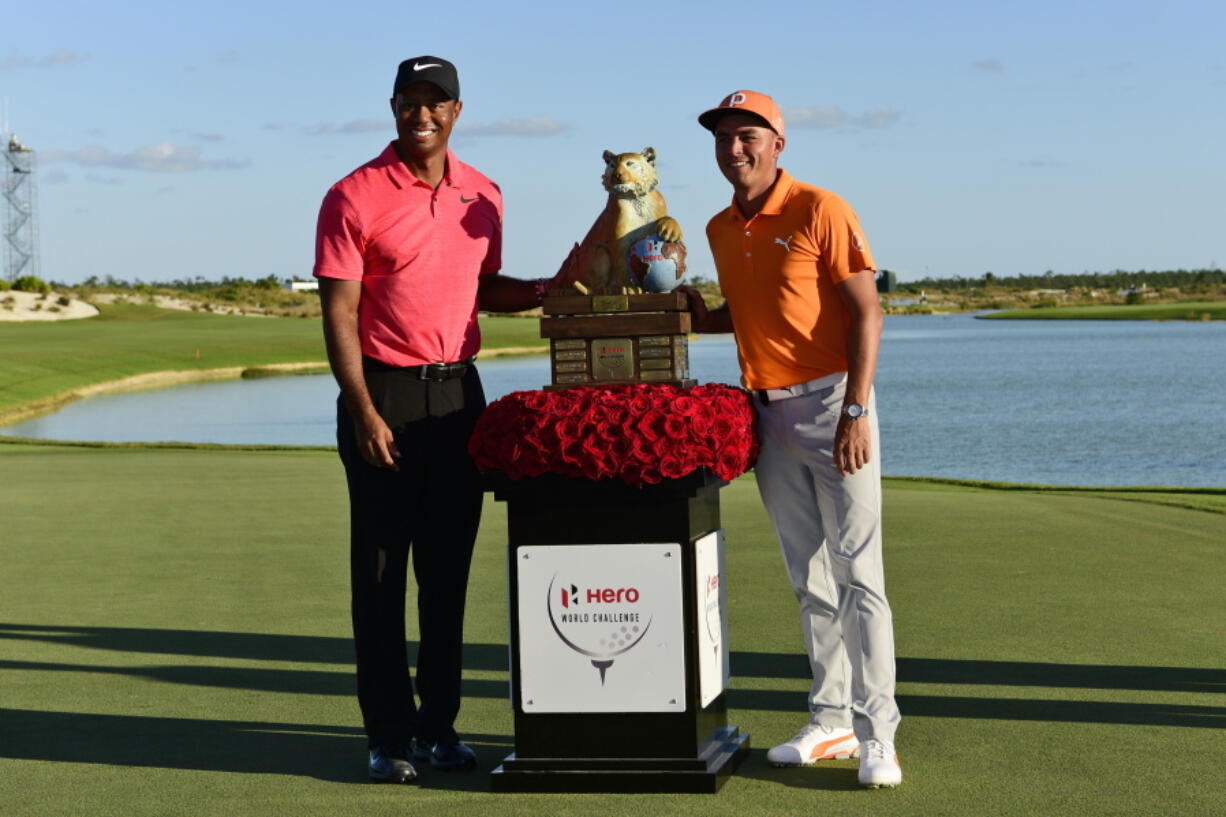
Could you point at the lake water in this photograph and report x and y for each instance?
(1052, 402)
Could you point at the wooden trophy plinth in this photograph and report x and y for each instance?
(619, 637)
(608, 340)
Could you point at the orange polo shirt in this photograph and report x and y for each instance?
(779, 271)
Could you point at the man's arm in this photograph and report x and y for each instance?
(706, 321)
(852, 440)
(340, 304)
(499, 293)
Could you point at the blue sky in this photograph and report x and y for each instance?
(183, 141)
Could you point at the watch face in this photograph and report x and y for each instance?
(853, 410)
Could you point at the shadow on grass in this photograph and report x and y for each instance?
(745, 665)
(493, 658)
(314, 682)
(299, 681)
(336, 754)
(1009, 709)
(312, 649)
(835, 775)
(1003, 673)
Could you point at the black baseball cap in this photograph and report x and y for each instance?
(429, 69)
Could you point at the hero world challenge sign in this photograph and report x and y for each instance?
(600, 628)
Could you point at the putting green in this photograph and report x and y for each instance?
(174, 640)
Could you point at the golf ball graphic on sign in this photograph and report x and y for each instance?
(657, 264)
(601, 645)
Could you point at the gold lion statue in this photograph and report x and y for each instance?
(634, 243)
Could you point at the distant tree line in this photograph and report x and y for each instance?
(1118, 279)
(232, 288)
(197, 284)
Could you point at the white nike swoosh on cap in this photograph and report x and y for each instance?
(417, 67)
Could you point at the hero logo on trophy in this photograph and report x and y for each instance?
(602, 635)
(625, 324)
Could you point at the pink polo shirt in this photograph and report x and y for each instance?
(418, 253)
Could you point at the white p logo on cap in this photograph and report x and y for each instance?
(736, 99)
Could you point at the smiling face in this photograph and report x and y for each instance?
(747, 153)
(425, 115)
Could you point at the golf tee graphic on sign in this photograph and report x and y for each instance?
(601, 628)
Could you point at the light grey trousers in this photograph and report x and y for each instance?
(829, 529)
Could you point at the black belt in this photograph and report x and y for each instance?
(436, 372)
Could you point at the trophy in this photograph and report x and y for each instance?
(616, 320)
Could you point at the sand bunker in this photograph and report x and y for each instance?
(34, 306)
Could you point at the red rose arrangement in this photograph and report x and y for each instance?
(639, 434)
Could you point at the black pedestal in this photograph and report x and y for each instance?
(690, 747)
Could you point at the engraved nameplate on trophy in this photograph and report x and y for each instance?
(617, 340)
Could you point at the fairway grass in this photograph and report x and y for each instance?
(174, 640)
(1181, 311)
(44, 364)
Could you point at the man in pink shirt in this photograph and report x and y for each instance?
(408, 248)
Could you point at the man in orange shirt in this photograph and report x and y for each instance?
(799, 281)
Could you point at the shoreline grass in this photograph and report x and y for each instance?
(1178, 311)
(1216, 494)
(46, 365)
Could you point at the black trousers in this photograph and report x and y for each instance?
(430, 511)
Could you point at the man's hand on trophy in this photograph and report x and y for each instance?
(567, 274)
(698, 307)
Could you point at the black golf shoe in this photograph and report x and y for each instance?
(391, 766)
(446, 755)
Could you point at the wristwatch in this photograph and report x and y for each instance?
(854, 411)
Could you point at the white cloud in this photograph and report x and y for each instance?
(505, 126)
(816, 116)
(55, 177)
(164, 157)
(877, 119)
(354, 126)
(988, 66)
(61, 56)
(832, 116)
(107, 180)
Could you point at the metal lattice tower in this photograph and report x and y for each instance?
(20, 210)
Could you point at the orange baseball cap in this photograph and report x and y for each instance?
(750, 102)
